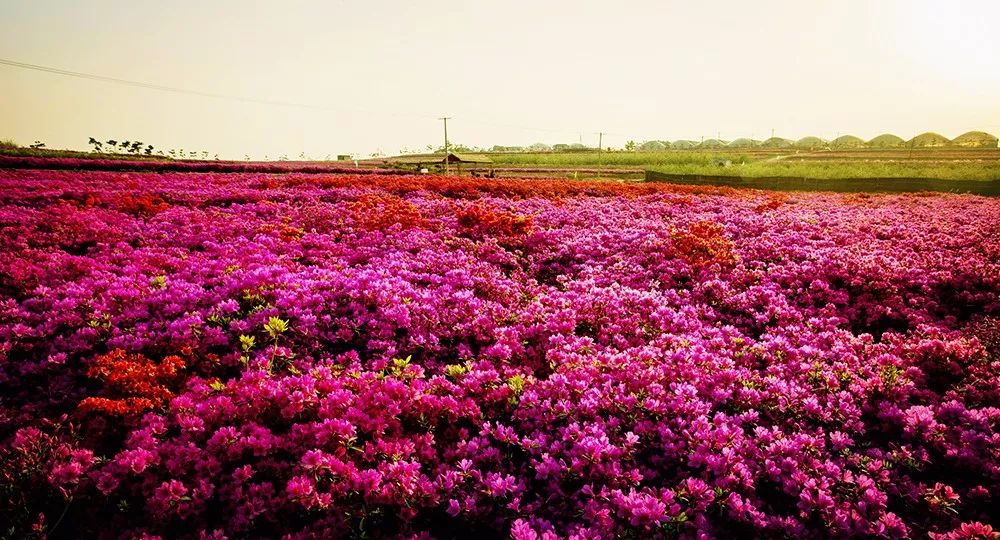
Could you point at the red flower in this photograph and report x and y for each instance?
(132, 383)
(704, 244)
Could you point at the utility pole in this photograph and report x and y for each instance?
(445, 119)
(600, 146)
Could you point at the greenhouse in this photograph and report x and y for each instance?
(847, 141)
(975, 139)
(810, 142)
(929, 140)
(886, 140)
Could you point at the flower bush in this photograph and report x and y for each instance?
(247, 355)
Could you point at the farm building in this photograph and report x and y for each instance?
(652, 146)
(928, 140)
(847, 141)
(744, 143)
(422, 161)
(683, 145)
(975, 139)
(810, 142)
(777, 142)
(712, 143)
(886, 140)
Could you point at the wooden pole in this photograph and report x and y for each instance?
(600, 145)
(445, 119)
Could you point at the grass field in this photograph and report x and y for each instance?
(957, 170)
(626, 159)
(943, 164)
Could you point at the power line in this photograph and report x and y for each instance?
(244, 99)
(274, 102)
(270, 102)
(188, 91)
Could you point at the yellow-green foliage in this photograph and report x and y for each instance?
(619, 159)
(958, 170)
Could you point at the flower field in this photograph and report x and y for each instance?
(245, 355)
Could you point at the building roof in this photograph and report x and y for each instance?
(453, 157)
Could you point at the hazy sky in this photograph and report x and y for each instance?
(512, 72)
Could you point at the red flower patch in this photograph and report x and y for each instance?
(377, 212)
(704, 244)
(133, 383)
(489, 222)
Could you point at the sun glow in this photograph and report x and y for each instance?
(955, 41)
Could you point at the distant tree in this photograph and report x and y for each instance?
(540, 147)
(454, 147)
(630, 146)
